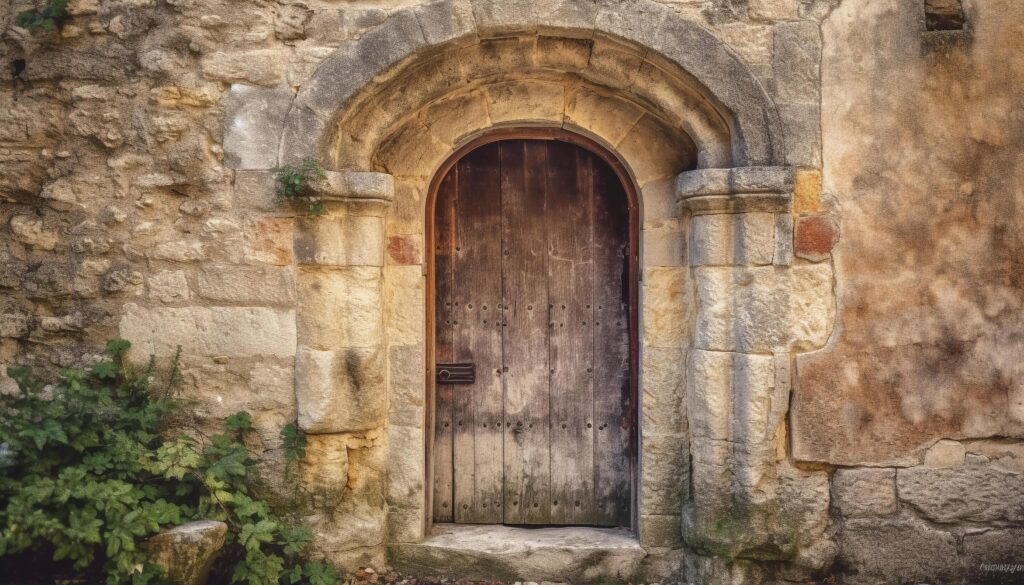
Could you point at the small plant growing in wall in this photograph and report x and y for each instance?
(294, 183)
(47, 17)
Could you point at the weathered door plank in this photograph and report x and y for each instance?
(525, 340)
(444, 344)
(477, 284)
(571, 345)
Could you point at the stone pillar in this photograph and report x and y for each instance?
(755, 307)
(340, 375)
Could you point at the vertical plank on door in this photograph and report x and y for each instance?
(612, 400)
(444, 344)
(570, 327)
(524, 339)
(476, 290)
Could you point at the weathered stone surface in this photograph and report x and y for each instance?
(807, 191)
(406, 385)
(341, 240)
(169, 286)
(255, 285)
(994, 555)
(340, 307)
(340, 391)
(356, 186)
(255, 119)
(913, 551)
(772, 9)
(945, 453)
(796, 62)
(925, 296)
(210, 331)
(405, 466)
(187, 552)
(732, 239)
(815, 236)
(663, 405)
(664, 243)
(256, 67)
(660, 531)
(665, 306)
(403, 301)
(973, 493)
(664, 461)
(865, 492)
(763, 309)
(734, 181)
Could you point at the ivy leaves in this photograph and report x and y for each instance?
(294, 183)
(48, 17)
(89, 472)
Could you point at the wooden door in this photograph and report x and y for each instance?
(532, 287)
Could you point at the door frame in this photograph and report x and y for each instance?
(633, 261)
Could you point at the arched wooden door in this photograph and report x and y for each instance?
(534, 404)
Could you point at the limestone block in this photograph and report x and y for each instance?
(913, 551)
(168, 286)
(445, 20)
(406, 385)
(405, 250)
(301, 124)
(664, 243)
(451, 120)
(326, 464)
(993, 547)
(796, 62)
(665, 306)
(254, 121)
(659, 530)
(268, 240)
(734, 181)
(655, 151)
(29, 230)
(187, 552)
(353, 188)
(638, 22)
(865, 492)
(413, 151)
(610, 117)
(340, 307)
(210, 331)
(404, 309)
(257, 190)
(763, 309)
(772, 9)
(495, 18)
(659, 199)
(257, 285)
(945, 453)
(405, 466)
(406, 524)
(732, 239)
(664, 462)
(783, 240)
(663, 406)
(15, 324)
(807, 191)
(340, 240)
(257, 67)
(563, 54)
(803, 133)
(396, 38)
(972, 493)
(526, 101)
(340, 391)
(729, 397)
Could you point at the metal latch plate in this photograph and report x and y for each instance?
(455, 373)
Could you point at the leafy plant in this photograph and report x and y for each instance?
(48, 17)
(87, 474)
(295, 182)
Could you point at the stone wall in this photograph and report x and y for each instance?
(830, 350)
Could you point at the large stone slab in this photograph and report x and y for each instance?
(732, 239)
(968, 493)
(210, 331)
(913, 552)
(186, 553)
(763, 309)
(340, 391)
(340, 307)
(865, 492)
(254, 123)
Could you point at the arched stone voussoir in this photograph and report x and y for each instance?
(716, 72)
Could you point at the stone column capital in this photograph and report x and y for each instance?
(732, 190)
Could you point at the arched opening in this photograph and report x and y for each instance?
(532, 332)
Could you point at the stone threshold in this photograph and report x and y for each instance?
(575, 554)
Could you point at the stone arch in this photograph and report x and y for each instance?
(717, 80)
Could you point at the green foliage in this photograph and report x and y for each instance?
(294, 183)
(48, 17)
(87, 473)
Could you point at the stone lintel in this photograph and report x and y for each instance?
(740, 189)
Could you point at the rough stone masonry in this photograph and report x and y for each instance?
(831, 322)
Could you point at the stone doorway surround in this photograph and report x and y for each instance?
(723, 307)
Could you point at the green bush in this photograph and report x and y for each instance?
(48, 17)
(87, 473)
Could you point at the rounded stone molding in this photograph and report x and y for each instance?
(712, 70)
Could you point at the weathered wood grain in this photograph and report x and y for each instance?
(444, 345)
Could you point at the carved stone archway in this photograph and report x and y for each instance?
(722, 307)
